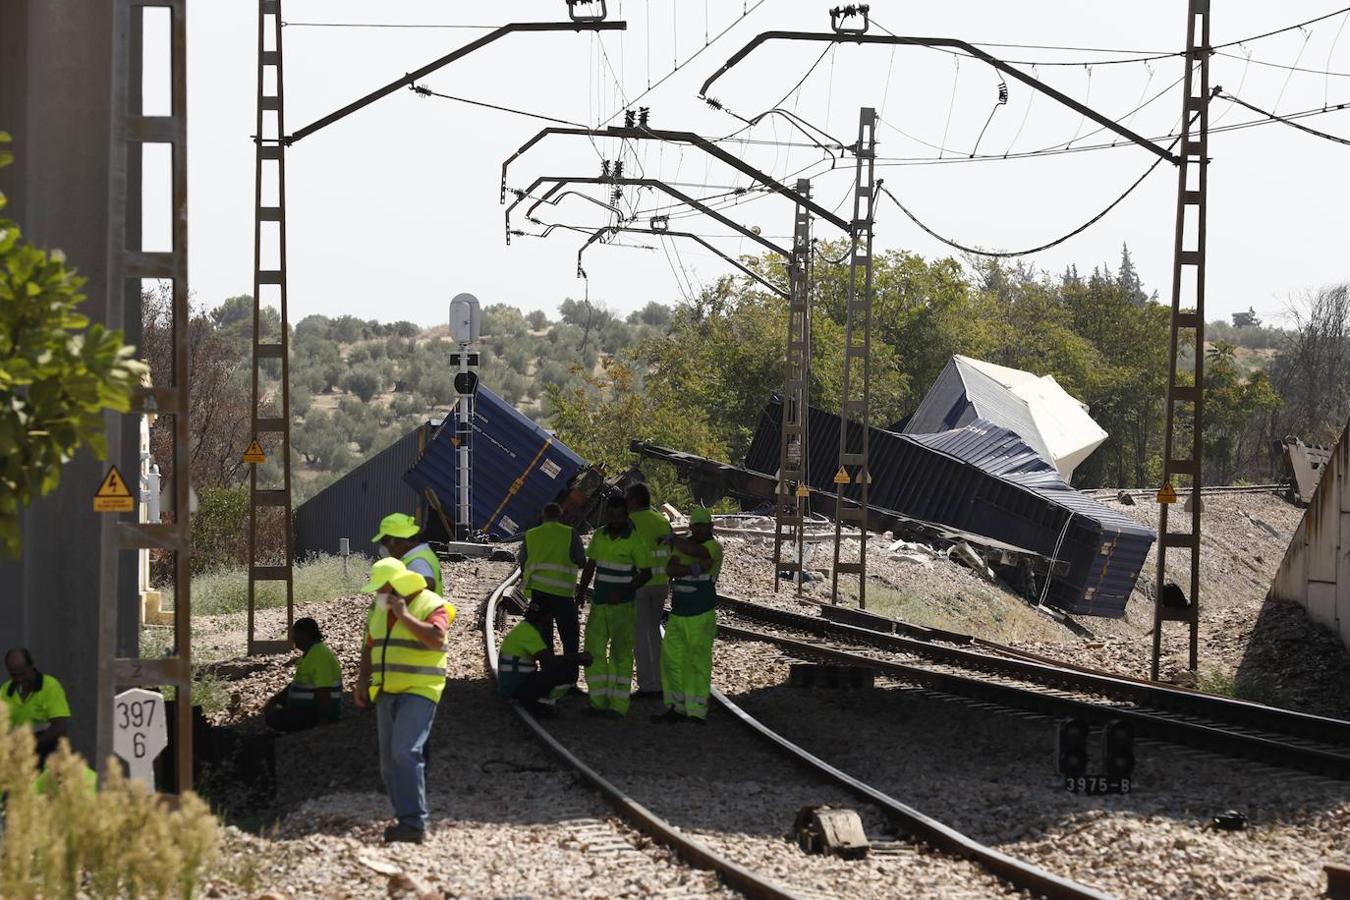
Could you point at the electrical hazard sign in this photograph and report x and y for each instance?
(1167, 493)
(802, 491)
(254, 454)
(841, 477)
(112, 495)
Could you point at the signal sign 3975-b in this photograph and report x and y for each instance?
(1096, 785)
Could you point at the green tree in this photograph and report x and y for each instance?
(58, 373)
(1232, 405)
(363, 382)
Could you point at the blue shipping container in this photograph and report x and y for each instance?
(517, 468)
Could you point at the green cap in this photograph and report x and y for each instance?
(397, 525)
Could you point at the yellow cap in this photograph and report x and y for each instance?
(700, 516)
(397, 525)
(384, 572)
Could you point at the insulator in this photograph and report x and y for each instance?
(617, 195)
(618, 169)
(643, 113)
(1002, 92)
(628, 118)
(713, 102)
(604, 168)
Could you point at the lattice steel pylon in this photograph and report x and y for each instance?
(1188, 278)
(855, 393)
(271, 410)
(127, 266)
(791, 500)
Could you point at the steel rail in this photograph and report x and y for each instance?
(1020, 874)
(1146, 724)
(1053, 673)
(638, 816)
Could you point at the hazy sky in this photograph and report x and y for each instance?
(395, 209)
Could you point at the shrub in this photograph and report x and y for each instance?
(120, 841)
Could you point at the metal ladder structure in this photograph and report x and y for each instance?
(271, 412)
(792, 499)
(855, 396)
(128, 265)
(1188, 315)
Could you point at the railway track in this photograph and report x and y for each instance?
(1008, 678)
(904, 819)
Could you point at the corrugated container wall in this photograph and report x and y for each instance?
(1315, 571)
(987, 481)
(517, 468)
(352, 506)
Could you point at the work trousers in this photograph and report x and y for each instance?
(609, 641)
(292, 718)
(551, 682)
(686, 663)
(404, 724)
(562, 610)
(650, 602)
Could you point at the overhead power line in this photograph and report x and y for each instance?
(1285, 120)
(1046, 246)
(386, 25)
(425, 91)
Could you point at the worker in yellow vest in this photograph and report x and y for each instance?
(527, 670)
(618, 559)
(650, 601)
(403, 673)
(686, 658)
(35, 700)
(401, 537)
(314, 696)
(549, 559)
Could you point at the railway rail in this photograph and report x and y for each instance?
(1277, 737)
(905, 819)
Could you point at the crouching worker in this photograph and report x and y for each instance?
(403, 673)
(527, 670)
(686, 654)
(36, 701)
(314, 695)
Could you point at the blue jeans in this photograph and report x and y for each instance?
(405, 723)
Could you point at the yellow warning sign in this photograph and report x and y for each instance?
(803, 491)
(841, 477)
(254, 454)
(112, 495)
(1166, 493)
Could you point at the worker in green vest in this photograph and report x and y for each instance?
(403, 673)
(686, 657)
(618, 559)
(35, 700)
(314, 696)
(650, 601)
(527, 670)
(401, 537)
(549, 559)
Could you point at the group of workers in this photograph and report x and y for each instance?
(635, 561)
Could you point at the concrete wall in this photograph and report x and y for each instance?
(1316, 567)
(55, 98)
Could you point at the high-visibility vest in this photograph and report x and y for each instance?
(617, 560)
(399, 662)
(318, 668)
(651, 525)
(693, 595)
(424, 552)
(548, 560)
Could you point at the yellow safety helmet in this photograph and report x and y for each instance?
(396, 525)
(394, 573)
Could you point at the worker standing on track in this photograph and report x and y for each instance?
(549, 559)
(527, 670)
(686, 658)
(619, 561)
(403, 673)
(650, 601)
(401, 537)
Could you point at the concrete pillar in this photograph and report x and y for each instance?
(55, 99)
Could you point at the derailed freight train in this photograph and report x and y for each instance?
(987, 481)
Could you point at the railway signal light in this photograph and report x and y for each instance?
(1118, 750)
(1071, 748)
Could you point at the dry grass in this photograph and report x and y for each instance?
(68, 841)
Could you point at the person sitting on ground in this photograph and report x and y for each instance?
(527, 669)
(686, 656)
(314, 695)
(35, 700)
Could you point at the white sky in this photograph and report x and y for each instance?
(395, 209)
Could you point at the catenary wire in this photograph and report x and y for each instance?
(1284, 120)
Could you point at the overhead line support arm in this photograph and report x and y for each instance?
(430, 67)
(611, 230)
(955, 44)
